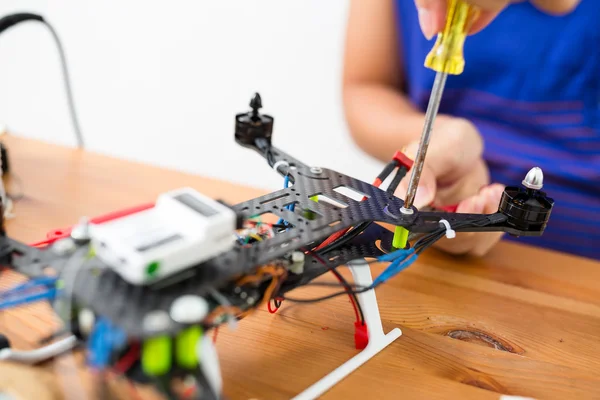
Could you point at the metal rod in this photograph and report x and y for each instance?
(432, 110)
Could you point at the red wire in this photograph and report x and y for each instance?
(271, 310)
(354, 306)
(332, 239)
(128, 359)
(341, 233)
(215, 335)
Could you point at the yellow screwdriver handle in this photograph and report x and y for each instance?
(447, 53)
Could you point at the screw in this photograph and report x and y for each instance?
(316, 170)
(82, 231)
(243, 295)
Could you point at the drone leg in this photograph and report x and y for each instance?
(377, 339)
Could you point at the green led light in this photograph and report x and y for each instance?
(152, 268)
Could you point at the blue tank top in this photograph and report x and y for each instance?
(531, 85)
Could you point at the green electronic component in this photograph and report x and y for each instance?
(315, 198)
(400, 237)
(152, 268)
(157, 356)
(185, 347)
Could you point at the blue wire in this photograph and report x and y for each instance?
(47, 295)
(396, 254)
(394, 269)
(286, 184)
(43, 281)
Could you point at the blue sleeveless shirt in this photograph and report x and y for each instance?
(531, 85)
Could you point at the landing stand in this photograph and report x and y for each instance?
(361, 273)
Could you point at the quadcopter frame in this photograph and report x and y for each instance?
(312, 209)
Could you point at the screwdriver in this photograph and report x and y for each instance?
(446, 58)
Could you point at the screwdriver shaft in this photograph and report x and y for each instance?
(431, 113)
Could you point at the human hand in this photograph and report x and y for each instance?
(454, 173)
(432, 13)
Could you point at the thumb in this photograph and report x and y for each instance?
(432, 14)
(425, 191)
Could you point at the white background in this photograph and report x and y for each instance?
(161, 81)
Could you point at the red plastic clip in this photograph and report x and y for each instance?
(403, 160)
(449, 209)
(361, 335)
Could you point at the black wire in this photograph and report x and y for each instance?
(421, 245)
(67, 82)
(331, 296)
(401, 173)
(387, 170)
(265, 147)
(344, 283)
(351, 234)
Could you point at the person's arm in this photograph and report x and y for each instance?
(382, 120)
(380, 117)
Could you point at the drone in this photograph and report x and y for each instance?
(142, 289)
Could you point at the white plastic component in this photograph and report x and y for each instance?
(189, 309)
(41, 354)
(297, 262)
(86, 320)
(377, 339)
(450, 233)
(209, 363)
(279, 164)
(183, 229)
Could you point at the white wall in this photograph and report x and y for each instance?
(161, 83)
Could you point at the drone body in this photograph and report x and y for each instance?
(241, 261)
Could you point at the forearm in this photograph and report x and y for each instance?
(381, 119)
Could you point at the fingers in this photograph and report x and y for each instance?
(469, 184)
(453, 169)
(425, 192)
(454, 148)
(476, 244)
(432, 13)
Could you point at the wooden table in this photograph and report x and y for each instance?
(521, 321)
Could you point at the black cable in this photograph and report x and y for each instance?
(387, 170)
(421, 245)
(15, 19)
(400, 174)
(263, 145)
(67, 83)
(344, 283)
(351, 234)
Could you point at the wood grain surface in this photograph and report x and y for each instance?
(519, 322)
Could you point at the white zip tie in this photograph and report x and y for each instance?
(450, 233)
(279, 164)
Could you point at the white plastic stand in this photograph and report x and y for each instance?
(378, 341)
